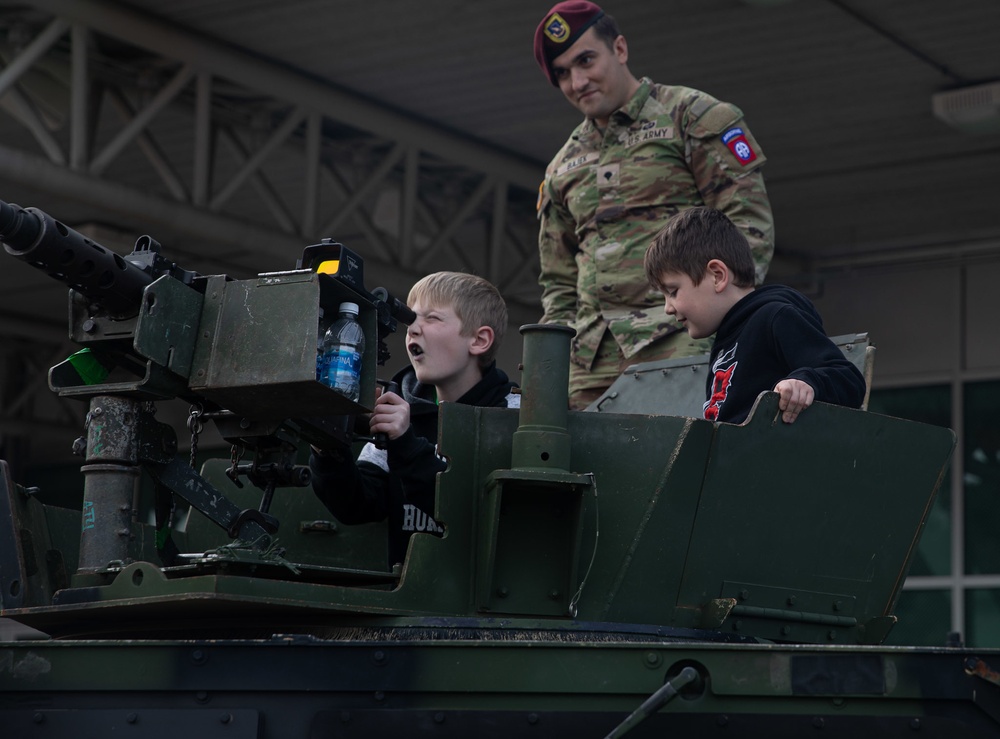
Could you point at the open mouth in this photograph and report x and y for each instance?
(414, 350)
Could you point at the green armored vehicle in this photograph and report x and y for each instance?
(615, 572)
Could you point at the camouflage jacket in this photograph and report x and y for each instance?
(604, 197)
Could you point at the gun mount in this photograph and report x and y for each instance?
(242, 351)
(590, 560)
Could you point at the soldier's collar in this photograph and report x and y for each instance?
(630, 110)
(633, 107)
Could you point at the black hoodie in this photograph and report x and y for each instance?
(397, 484)
(772, 334)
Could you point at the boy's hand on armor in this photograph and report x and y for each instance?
(391, 416)
(795, 397)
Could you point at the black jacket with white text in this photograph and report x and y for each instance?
(397, 484)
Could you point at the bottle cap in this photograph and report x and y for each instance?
(351, 308)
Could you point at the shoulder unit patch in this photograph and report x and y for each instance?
(737, 142)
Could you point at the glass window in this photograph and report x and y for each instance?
(981, 476)
(982, 618)
(927, 405)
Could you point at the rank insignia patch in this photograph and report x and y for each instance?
(557, 29)
(737, 142)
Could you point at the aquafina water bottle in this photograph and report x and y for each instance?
(341, 350)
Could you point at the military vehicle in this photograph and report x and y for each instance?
(601, 574)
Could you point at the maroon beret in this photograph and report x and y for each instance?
(559, 30)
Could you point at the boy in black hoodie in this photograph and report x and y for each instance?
(768, 338)
(452, 343)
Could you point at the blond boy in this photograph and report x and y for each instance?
(460, 321)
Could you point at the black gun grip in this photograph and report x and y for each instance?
(381, 439)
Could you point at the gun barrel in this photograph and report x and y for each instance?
(103, 276)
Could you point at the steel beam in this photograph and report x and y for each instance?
(248, 170)
(32, 53)
(141, 120)
(149, 147)
(277, 137)
(385, 166)
(137, 28)
(202, 139)
(445, 234)
(314, 142)
(21, 108)
(79, 115)
(267, 247)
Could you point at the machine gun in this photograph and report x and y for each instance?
(243, 352)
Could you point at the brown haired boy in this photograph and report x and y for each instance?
(768, 338)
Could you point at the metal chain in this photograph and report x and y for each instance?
(195, 426)
(233, 472)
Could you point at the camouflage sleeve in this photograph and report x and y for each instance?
(726, 162)
(557, 247)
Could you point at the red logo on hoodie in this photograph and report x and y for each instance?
(722, 370)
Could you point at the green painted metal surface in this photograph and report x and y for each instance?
(295, 687)
(256, 353)
(587, 559)
(676, 387)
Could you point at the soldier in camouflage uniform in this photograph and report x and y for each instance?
(643, 153)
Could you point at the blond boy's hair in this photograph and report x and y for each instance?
(475, 301)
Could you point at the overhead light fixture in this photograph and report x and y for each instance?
(972, 109)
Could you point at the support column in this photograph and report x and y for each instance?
(111, 472)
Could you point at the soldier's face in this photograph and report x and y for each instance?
(594, 78)
(696, 307)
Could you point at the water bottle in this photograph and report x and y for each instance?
(342, 347)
